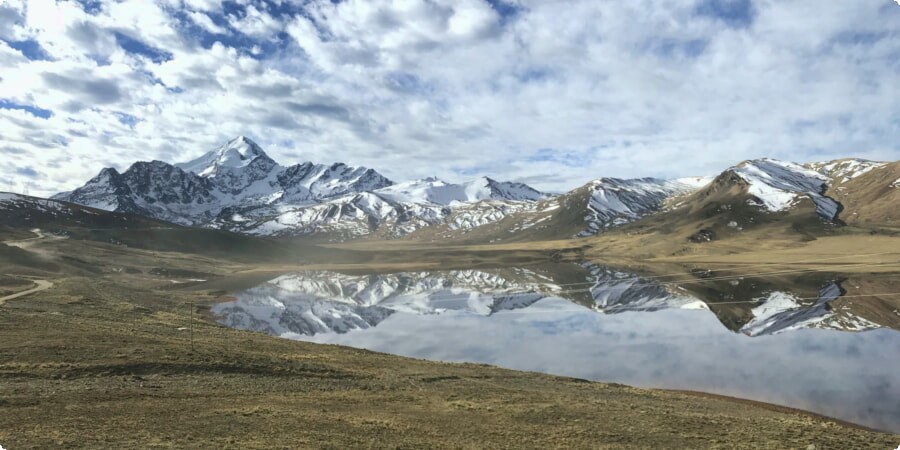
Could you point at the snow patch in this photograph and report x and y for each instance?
(845, 169)
(435, 191)
(779, 184)
(614, 202)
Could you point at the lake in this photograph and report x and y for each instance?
(826, 343)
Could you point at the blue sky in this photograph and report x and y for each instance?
(552, 93)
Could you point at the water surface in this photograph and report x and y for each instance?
(820, 342)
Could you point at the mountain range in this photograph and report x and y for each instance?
(313, 302)
(238, 187)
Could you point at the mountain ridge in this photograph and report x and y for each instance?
(238, 187)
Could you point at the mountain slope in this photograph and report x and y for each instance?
(803, 201)
(599, 205)
(778, 185)
(237, 174)
(238, 187)
(439, 192)
(616, 202)
(869, 195)
(20, 214)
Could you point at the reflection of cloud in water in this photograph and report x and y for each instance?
(672, 342)
(854, 376)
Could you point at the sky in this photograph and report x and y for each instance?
(551, 93)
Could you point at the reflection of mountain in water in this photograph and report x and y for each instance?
(312, 302)
(319, 302)
(782, 311)
(613, 291)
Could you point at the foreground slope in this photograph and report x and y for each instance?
(103, 358)
(121, 358)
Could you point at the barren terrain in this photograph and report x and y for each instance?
(104, 358)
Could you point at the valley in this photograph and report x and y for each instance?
(112, 340)
(249, 296)
(437, 224)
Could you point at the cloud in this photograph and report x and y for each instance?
(254, 22)
(94, 91)
(736, 13)
(546, 92)
(27, 172)
(204, 21)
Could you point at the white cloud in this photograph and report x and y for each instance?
(255, 22)
(453, 89)
(204, 21)
(203, 5)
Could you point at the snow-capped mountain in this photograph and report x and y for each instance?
(597, 206)
(238, 187)
(345, 217)
(615, 201)
(246, 175)
(778, 185)
(438, 192)
(842, 170)
(154, 189)
(237, 174)
(370, 213)
(239, 153)
(741, 197)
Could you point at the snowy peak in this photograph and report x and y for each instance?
(510, 191)
(616, 201)
(841, 170)
(236, 176)
(434, 191)
(317, 182)
(238, 153)
(429, 190)
(694, 182)
(778, 185)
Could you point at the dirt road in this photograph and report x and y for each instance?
(42, 285)
(25, 243)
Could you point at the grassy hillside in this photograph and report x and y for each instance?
(107, 361)
(104, 357)
(871, 199)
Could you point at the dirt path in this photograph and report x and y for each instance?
(42, 285)
(25, 243)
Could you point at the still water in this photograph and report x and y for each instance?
(824, 342)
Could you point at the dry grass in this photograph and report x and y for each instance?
(100, 362)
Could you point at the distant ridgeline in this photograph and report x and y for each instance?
(237, 187)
